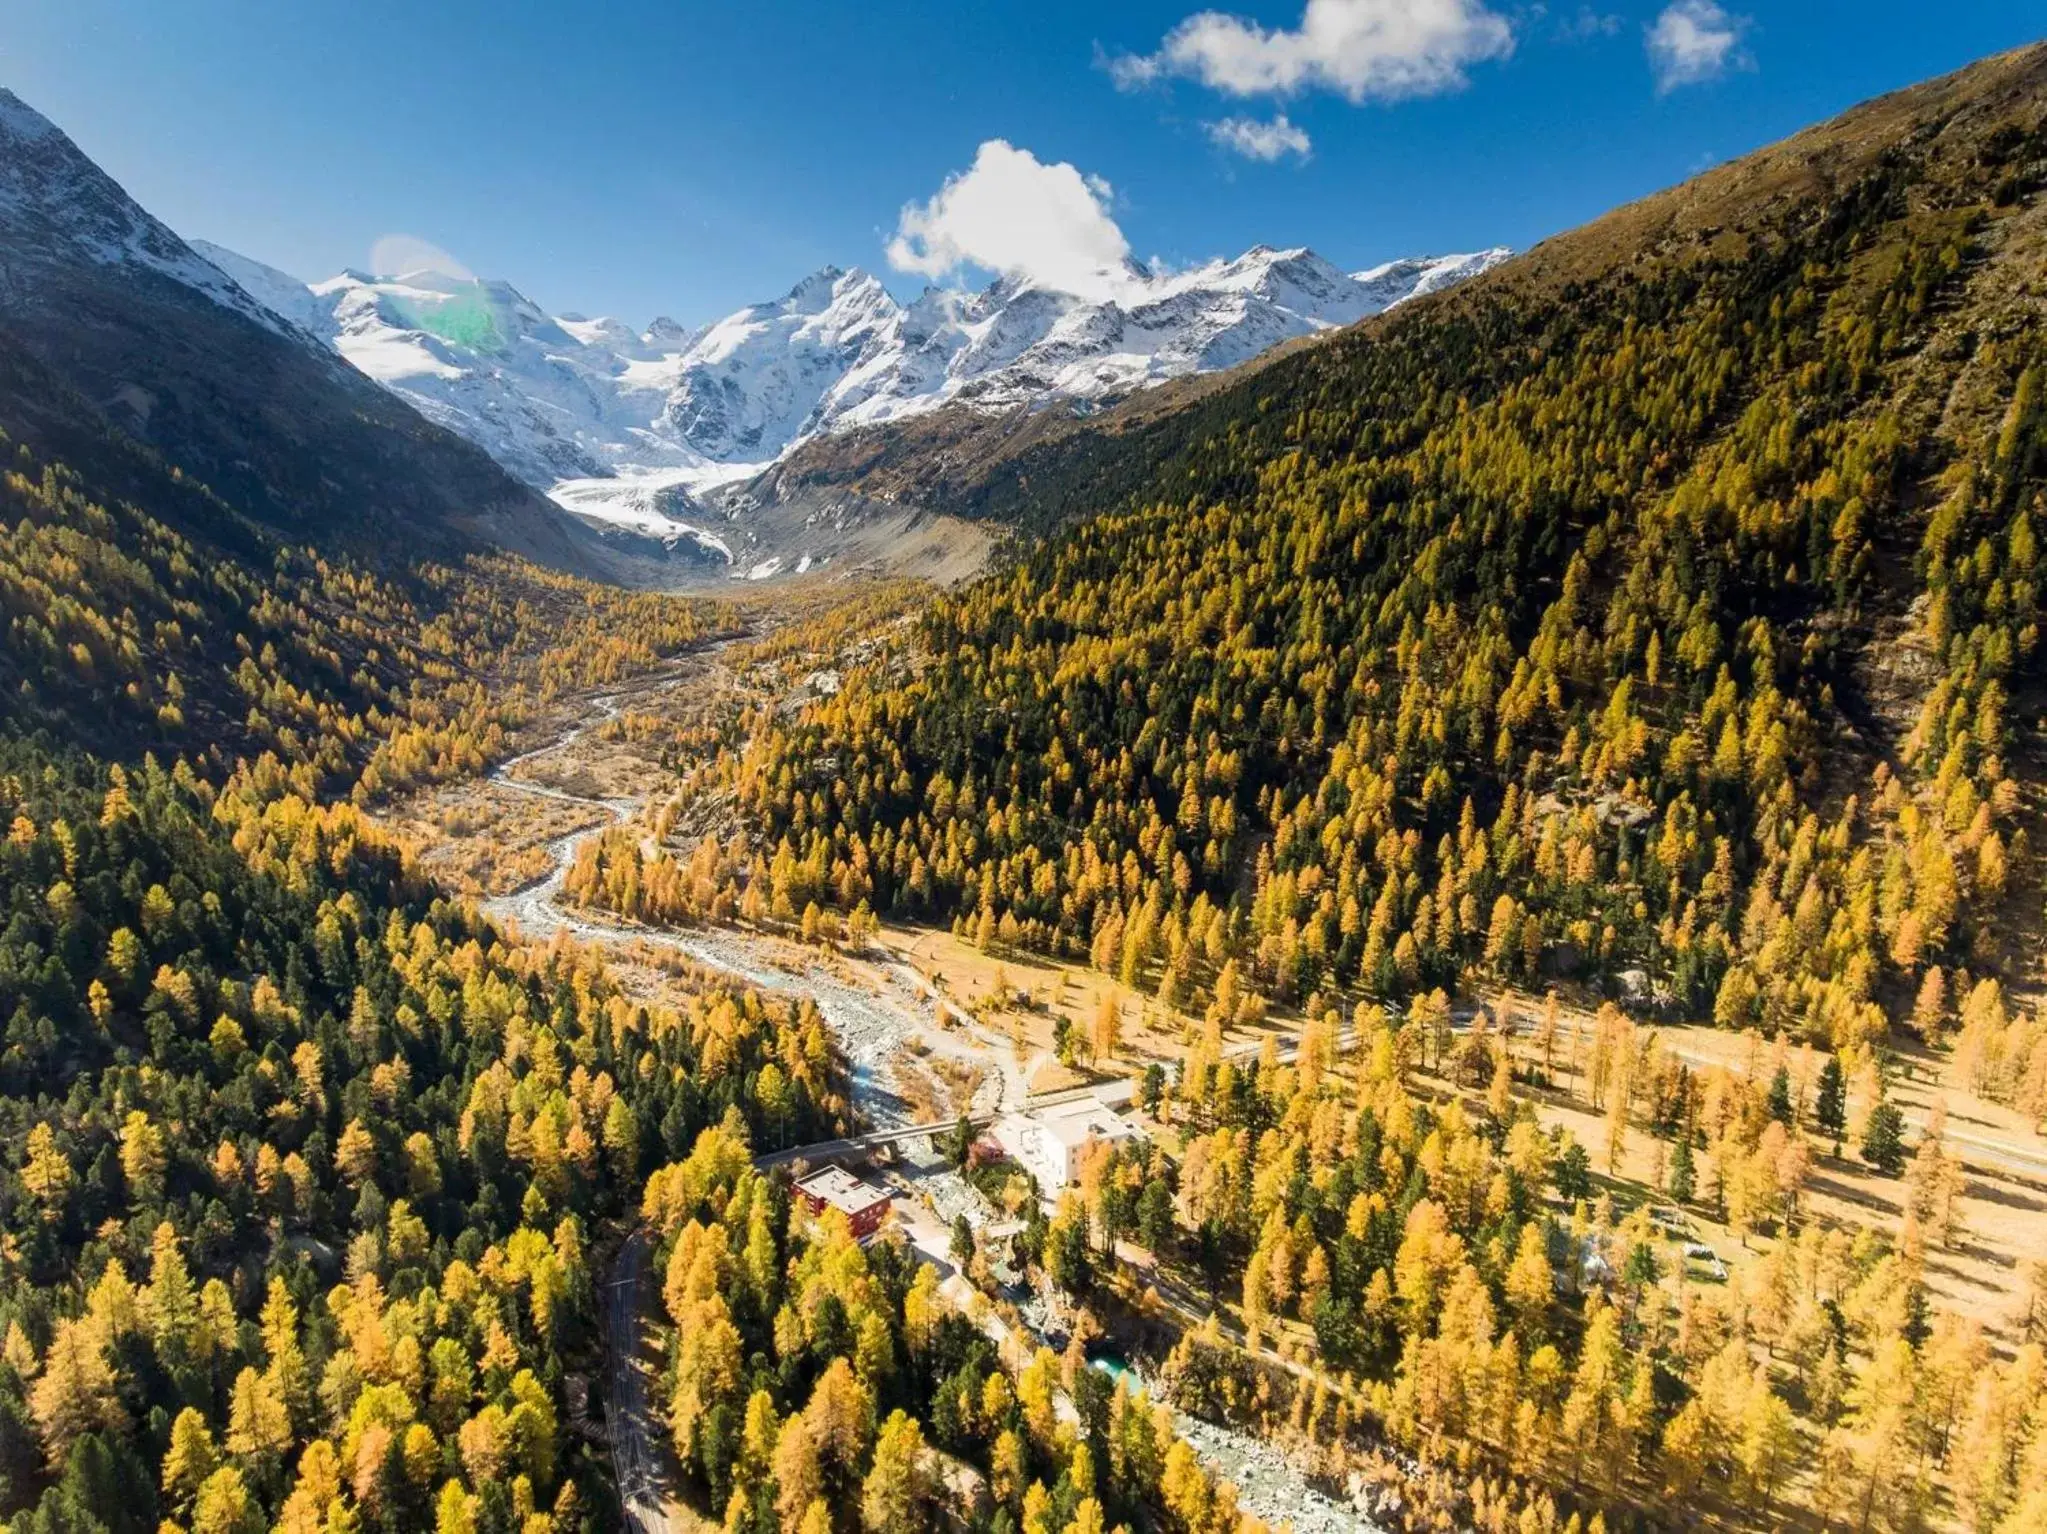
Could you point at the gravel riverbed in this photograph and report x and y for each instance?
(874, 1025)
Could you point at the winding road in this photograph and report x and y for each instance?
(639, 1445)
(874, 1025)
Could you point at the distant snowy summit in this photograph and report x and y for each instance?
(613, 421)
(620, 425)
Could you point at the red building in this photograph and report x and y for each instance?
(863, 1204)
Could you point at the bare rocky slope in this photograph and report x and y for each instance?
(154, 343)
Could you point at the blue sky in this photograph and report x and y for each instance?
(647, 156)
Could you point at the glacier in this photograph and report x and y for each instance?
(633, 426)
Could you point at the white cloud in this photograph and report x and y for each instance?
(399, 255)
(1256, 140)
(1012, 213)
(1364, 50)
(1588, 24)
(1693, 41)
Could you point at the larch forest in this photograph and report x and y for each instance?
(1528, 790)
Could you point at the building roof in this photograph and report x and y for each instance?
(842, 1190)
(1084, 1119)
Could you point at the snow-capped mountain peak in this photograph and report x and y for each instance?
(663, 331)
(633, 425)
(629, 424)
(1415, 276)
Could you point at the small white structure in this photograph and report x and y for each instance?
(1048, 1142)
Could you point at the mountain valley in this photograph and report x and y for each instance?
(664, 431)
(1272, 898)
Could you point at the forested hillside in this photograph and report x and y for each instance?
(1665, 600)
(309, 1165)
(145, 613)
(1653, 621)
(307, 1161)
(1656, 621)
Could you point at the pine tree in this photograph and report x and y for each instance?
(1683, 1181)
(798, 1477)
(1830, 1107)
(1155, 1222)
(898, 1494)
(142, 1157)
(1151, 1089)
(190, 1459)
(258, 1423)
(454, 1510)
(225, 1505)
(1546, 1034)
(1108, 1028)
(1573, 1173)
(75, 1393)
(355, 1157)
(1531, 1283)
(1883, 1139)
(1780, 1105)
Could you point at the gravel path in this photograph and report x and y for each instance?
(874, 1026)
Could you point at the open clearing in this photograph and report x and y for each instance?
(2003, 1224)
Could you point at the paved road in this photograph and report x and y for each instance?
(642, 1455)
(640, 1450)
